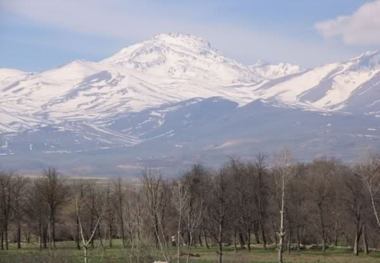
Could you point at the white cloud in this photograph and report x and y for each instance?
(360, 28)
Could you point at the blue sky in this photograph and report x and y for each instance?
(39, 34)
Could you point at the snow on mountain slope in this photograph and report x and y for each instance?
(9, 74)
(167, 68)
(9, 79)
(328, 87)
(27, 96)
(174, 99)
(170, 68)
(182, 57)
(274, 71)
(36, 90)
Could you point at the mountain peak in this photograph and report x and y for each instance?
(155, 50)
(181, 39)
(181, 57)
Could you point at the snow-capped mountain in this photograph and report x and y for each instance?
(334, 86)
(176, 98)
(168, 68)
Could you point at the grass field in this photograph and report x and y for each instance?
(65, 253)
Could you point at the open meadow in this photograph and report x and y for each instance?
(67, 253)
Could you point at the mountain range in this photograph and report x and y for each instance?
(174, 100)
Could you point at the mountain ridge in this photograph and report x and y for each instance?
(140, 76)
(158, 101)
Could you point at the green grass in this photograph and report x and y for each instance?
(66, 253)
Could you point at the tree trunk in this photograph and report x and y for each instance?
(241, 239)
(322, 225)
(365, 241)
(280, 245)
(261, 210)
(235, 246)
(110, 235)
(249, 239)
(77, 236)
(2, 240)
(323, 245)
(206, 242)
(178, 239)
(189, 247)
(18, 234)
(44, 237)
(180, 206)
(122, 230)
(256, 233)
(275, 233)
(356, 242)
(263, 235)
(200, 240)
(92, 226)
(40, 234)
(156, 231)
(289, 241)
(281, 233)
(121, 214)
(85, 254)
(298, 238)
(100, 236)
(336, 234)
(53, 229)
(27, 237)
(220, 242)
(6, 236)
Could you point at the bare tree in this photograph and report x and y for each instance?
(119, 193)
(297, 214)
(370, 172)
(218, 208)
(85, 241)
(355, 203)
(283, 172)
(53, 193)
(109, 217)
(6, 196)
(195, 186)
(321, 202)
(321, 191)
(261, 193)
(155, 194)
(19, 185)
(37, 213)
(180, 200)
(244, 204)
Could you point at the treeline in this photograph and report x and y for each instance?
(290, 206)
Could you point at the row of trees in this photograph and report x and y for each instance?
(283, 204)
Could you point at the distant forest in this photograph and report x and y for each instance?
(282, 203)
